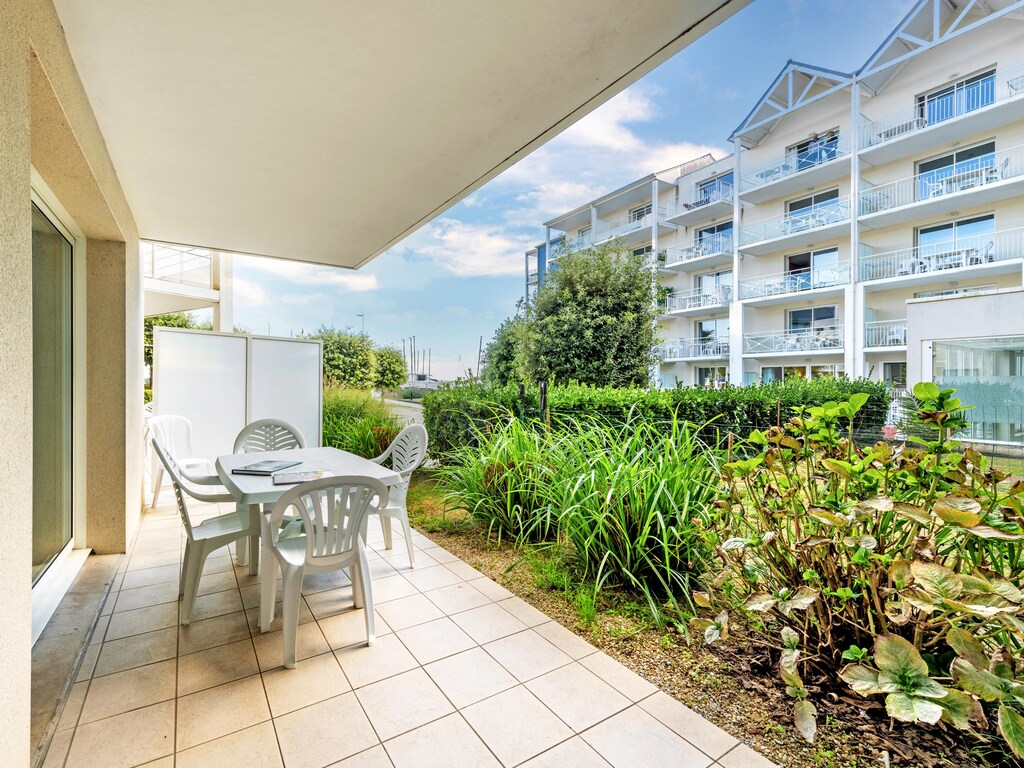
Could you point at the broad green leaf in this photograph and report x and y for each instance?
(988, 532)
(899, 573)
(968, 646)
(790, 638)
(789, 658)
(801, 600)
(926, 390)
(920, 600)
(912, 511)
(911, 709)
(959, 709)
(1011, 726)
(1002, 664)
(841, 468)
(858, 400)
(1007, 590)
(827, 516)
(791, 677)
(985, 606)
(895, 655)
(980, 682)
(867, 541)
(936, 579)
(759, 603)
(976, 585)
(712, 634)
(861, 679)
(876, 504)
(703, 599)
(805, 719)
(959, 509)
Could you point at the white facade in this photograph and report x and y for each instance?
(796, 255)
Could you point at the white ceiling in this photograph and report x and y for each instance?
(328, 131)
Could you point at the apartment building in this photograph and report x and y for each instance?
(854, 204)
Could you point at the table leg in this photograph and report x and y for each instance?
(254, 540)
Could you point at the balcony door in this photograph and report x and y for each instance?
(958, 98)
(957, 236)
(52, 252)
(812, 319)
(716, 238)
(956, 171)
(817, 269)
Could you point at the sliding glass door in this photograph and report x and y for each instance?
(51, 392)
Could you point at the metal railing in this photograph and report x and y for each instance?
(950, 254)
(698, 298)
(885, 333)
(1005, 84)
(177, 263)
(827, 339)
(623, 225)
(964, 176)
(815, 217)
(683, 349)
(794, 162)
(703, 195)
(795, 281)
(712, 245)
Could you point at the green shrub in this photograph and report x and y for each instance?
(356, 422)
(454, 414)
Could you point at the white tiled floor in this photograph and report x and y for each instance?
(462, 674)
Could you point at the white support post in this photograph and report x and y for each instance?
(656, 370)
(735, 308)
(853, 307)
(224, 309)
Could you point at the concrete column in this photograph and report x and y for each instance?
(114, 411)
(853, 357)
(735, 308)
(224, 309)
(15, 385)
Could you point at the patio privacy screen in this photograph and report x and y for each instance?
(223, 381)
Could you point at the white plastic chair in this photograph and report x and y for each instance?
(268, 435)
(407, 452)
(175, 433)
(209, 535)
(333, 511)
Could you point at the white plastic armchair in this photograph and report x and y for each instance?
(333, 511)
(268, 435)
(406, 452)
(175, 434)
(210, 535)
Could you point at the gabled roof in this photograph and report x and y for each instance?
(928, 23)
(797, 84)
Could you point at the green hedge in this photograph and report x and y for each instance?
(453, 413)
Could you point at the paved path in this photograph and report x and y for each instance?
(410, 412)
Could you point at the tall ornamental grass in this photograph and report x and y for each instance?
(356, 422)
(634, 500)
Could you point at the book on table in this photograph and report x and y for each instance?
(264, 468)
(304, 476)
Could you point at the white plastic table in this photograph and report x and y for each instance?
(255, 490)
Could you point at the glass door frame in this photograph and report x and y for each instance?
(54, 582)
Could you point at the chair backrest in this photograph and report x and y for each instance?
(175, 432)
(333, 511)
(171, 467)
(268, 435)
(407, 451)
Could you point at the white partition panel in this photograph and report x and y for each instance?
(221, 382)
(202, 376)
(286, 384)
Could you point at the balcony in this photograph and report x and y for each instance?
(176, 278)
(979, 107)
(885, 334)
(794, 341)
(532, 277)
(707, 202)
(632, 229)
(797, 171)
(710, 251)
(997, 253)
(781, 287)
(684, 350)
(803, 227)
(975, 182)
(697, 302)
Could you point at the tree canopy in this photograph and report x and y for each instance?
(391, 370)
(499, 365)
(349, 359)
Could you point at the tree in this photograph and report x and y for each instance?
(174, 320)
(593, 320)
(391, 369)
(499, 360)
(349, 359)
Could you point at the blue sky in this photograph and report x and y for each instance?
(460, 276)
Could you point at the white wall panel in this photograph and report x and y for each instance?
(286, 384)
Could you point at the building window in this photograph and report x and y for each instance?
(957, 243)
(958, 98)
(712, 376)
(713, 330)
(771, 373)
(895, 375)
(820, 200)
(816, 148)
(643, 250)
(719, 188)
(715, 239)
(641, 213)
(956, 171)
(812, 318)
(715, 282)
(817, 269)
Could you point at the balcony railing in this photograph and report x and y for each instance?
(698, 299)
(713, 245)
(805, 219)
(703, 195)
(177, 263)
(795, 281)
(828, 339)
(623, 225)
(964, 176)
(795, 162)
(682, 349)
(963, 252)
(885, 333)
(1005, 84)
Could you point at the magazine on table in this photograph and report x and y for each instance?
(264, 468)
(304, 476)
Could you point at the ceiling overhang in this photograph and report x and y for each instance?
(328, 132)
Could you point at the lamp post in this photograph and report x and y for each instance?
(362, 319)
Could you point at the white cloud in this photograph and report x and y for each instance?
(250, 293)
(313, 274)
(467, 250)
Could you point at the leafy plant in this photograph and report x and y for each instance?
(357, 423)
